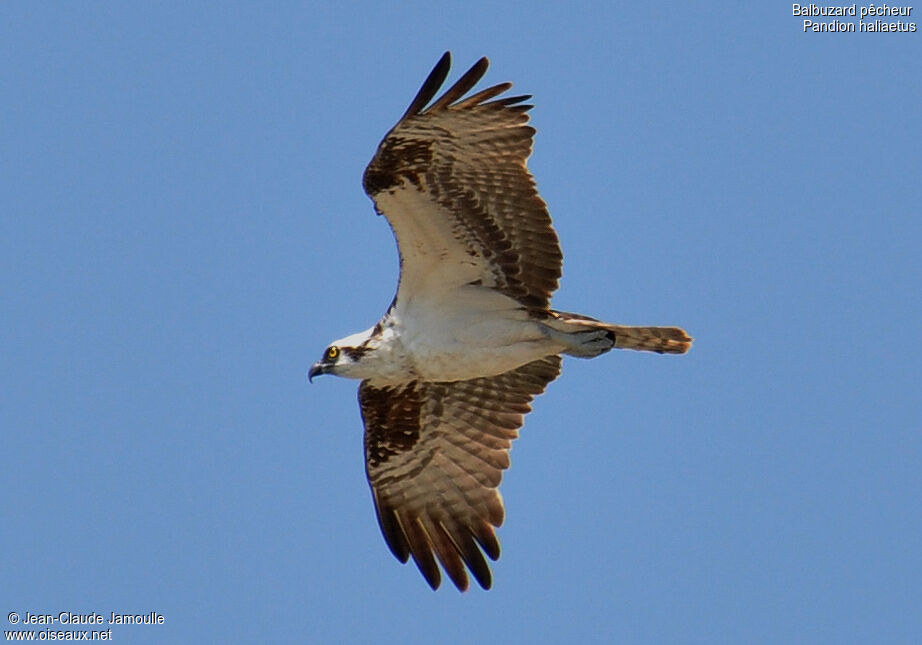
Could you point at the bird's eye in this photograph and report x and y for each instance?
(332, 352)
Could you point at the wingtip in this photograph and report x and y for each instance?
(430, 86)
(444, 60)
(482, 65)
(433, 578)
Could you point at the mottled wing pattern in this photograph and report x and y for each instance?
(435, 453)
(452, 181)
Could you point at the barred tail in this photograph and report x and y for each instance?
(662, 340)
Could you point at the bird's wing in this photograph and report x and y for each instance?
(452, 182)
(434, 454)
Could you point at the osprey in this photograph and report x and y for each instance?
(470, 339)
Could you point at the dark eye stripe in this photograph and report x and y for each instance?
(355, 353)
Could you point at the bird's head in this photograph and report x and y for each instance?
(342, 357)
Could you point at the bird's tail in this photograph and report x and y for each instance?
(578, 331)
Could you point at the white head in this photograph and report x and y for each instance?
(343, 357)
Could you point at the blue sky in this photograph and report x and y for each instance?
(183, 231)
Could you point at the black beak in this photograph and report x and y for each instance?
(316, 369)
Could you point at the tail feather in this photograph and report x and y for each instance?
(662, 340)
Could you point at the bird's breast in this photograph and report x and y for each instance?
(469, 336)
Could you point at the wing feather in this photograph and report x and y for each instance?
(393, 533)
(485, 95)
(421, 550)
(435, 453)
(463, 541)
(430, 86)
(452, 181)
(463, 85)
(486, 538)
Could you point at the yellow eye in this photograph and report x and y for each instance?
(332, 352)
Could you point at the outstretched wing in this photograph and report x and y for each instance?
(434, 454)
(452, 182)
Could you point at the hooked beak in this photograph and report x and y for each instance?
(316, 369)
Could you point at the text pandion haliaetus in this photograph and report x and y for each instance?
(470, 339)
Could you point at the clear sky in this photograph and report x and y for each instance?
(183, 230)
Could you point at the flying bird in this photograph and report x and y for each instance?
(450, 370)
